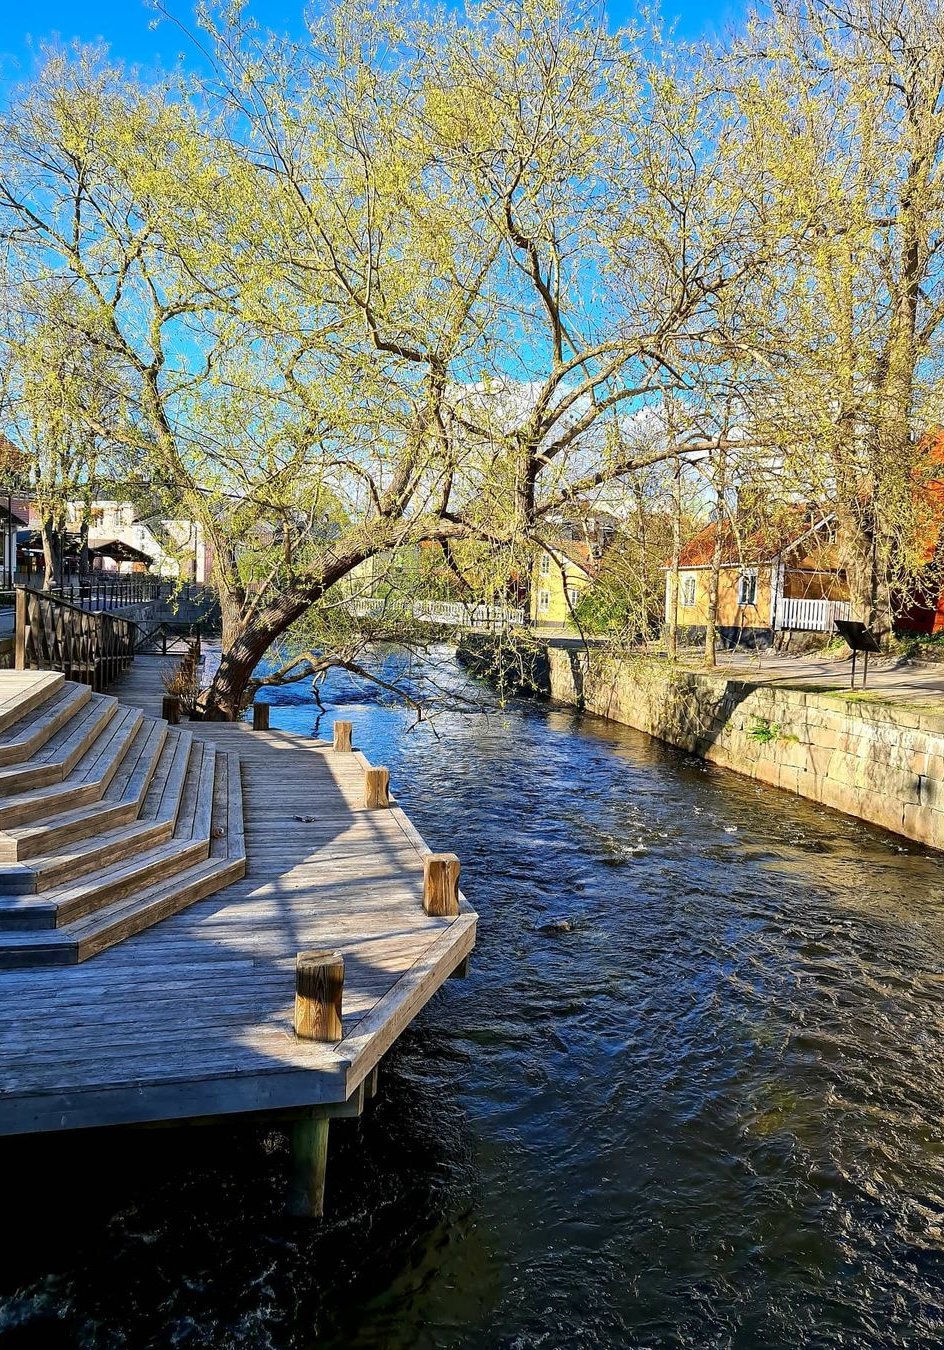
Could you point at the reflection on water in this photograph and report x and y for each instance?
(707, 1115)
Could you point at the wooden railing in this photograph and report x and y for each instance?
(92, 647)
(810, 616)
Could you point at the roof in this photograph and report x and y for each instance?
(762, 545)
(574, 552)
(31, 541)
(117, 549)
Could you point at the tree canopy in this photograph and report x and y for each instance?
(441, 278)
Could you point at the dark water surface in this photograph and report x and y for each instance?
(709, 1116)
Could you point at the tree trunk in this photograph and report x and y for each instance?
(52, 552)
(714, 575)
(672, 626)
(858, 559)
(711, 621)
(244, 646)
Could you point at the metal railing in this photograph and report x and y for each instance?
(810, 616)
(101, 591)
(450, 613)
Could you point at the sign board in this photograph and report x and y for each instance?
(861, 639)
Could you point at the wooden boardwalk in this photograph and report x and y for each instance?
(193, 1017)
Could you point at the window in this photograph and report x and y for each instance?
(545, 564)
(747, 588)
(688, 592)
(573, 596)
(544, 601)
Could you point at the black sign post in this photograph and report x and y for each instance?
(860, 639)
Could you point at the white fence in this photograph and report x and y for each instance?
(811, 616)
(451, 613)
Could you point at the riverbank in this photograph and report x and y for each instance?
(880, 761)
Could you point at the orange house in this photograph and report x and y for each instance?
(923, 612)
(770, 581)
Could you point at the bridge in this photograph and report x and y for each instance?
(449, 613)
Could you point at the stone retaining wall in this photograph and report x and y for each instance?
(881, 763)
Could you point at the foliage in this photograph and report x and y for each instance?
(443, 280)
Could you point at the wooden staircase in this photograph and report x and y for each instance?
(109, 820)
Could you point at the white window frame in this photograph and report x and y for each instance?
(545, 568)
(573, 596)
(747, 587)
(544, 601)
(689, 593)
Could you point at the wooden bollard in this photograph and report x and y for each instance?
(441, 884)
(170, 709)
(319, 985)
(343, 732)
(376, 787)
(260, 717)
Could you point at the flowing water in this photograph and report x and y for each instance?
(707, 1115)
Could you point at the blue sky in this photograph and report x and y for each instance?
(126, 25)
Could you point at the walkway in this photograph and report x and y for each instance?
(891, 679)
(194, 1016)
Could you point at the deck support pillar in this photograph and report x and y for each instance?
(309, 1165)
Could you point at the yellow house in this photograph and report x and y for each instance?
(558, 582)
(763, 588)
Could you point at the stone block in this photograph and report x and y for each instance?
(931, 793)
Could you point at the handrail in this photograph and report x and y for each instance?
(90, 646)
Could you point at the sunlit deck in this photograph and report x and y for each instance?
(193, 1017)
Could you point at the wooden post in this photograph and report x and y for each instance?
(170, 709)
(376, 786)
(441, 884)
(19, 642)
(343, 732)
(309, 1165)
(260, 717)
(371, 1081)
(319, 984)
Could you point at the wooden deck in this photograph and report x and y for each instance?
(194, 1016)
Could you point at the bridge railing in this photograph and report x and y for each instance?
(451, 613)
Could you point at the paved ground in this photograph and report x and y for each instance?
(890, 679)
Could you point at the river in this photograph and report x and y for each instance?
(707, 1115)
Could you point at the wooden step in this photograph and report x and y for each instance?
(85, 782)
(63, 750)
(23, 690)
(115, 880)
(31, 732)
(83, 937)
(87, 937)
(154, 825)
(120, 804)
